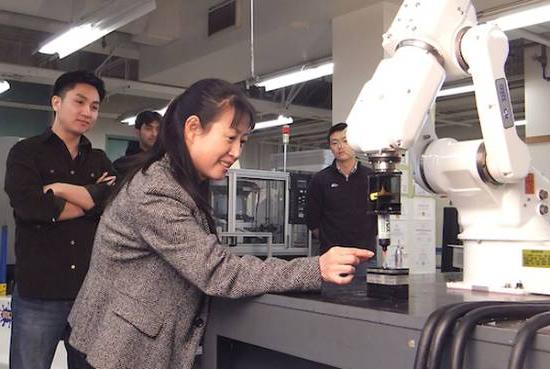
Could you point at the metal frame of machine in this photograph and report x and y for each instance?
(277, 249)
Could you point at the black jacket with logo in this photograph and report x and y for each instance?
(339, 208)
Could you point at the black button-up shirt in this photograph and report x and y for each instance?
(339, 207)
(52, 256)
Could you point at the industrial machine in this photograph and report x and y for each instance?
(501, 200)
(250, 204)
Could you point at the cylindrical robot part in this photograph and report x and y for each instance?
(384, 231)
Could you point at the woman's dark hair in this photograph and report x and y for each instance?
(206, 99)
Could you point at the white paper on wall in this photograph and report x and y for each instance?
(399, 232)
(424, 208)
(422, 246)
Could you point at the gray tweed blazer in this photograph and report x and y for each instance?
(144, 302)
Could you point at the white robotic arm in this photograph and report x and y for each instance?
(504, 224)
(485, 49)
(398, 98)
(430, 42)
(422, 45)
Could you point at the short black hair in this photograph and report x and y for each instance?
(336, 128)
(146, 117)
(68, 80)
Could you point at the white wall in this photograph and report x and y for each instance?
(107, 127)
(257, 154)
(356, 52)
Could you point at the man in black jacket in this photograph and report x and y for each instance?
(337, 204)
(57, 184)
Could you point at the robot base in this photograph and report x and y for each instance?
(465, 286)
(388, 283)
(513, 267)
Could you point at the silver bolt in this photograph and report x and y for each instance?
(411, 344)
(543, 194)
(543, 209)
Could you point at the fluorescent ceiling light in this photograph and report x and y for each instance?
(520, 122)
(131, 121)
(93, 27)
(455, 90)
(299, 76)
(4, 86)
(280, 121)
(523, 18)
(162, 111)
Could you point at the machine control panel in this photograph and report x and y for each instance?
(299, 182)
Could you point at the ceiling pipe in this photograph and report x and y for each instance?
(252, 66)
(530, 36)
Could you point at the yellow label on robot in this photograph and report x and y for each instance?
(536, 258)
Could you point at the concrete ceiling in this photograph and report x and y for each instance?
(153, 58)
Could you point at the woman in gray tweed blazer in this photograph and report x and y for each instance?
(156, 256)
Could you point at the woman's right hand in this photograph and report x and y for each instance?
(338, 263)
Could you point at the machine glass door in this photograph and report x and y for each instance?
(219, 201)
(260, 207)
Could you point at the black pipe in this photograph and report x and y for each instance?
(425, 340)
(543, 60)
(496, 312)
(445, 326)
(524, 337)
